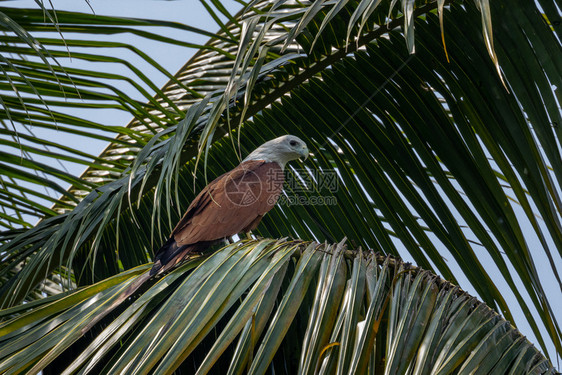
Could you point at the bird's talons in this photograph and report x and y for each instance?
(253, 237)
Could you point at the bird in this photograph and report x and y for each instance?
(234, 202)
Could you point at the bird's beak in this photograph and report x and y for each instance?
(303, 154)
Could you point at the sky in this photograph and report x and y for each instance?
(190, 12)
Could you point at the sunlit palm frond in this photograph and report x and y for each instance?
(433, 157)
(46, 81)
(289, 307)
(41, 87)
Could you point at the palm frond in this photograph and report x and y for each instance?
(289, 307)
(433, 158)
(39, 94)
(40, 86)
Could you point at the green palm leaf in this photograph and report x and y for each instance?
(38, 92)
(436, 157)
(281, 298)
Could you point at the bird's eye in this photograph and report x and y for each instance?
(293, 143)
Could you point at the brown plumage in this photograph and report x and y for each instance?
(232, 203)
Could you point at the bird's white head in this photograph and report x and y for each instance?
(281, 150)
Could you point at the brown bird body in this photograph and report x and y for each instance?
(232, 203)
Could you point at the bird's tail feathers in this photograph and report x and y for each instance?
(166, 258)
(170, 254)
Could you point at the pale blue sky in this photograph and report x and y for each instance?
(189, 12)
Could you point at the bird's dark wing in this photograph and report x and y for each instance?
(233, 202)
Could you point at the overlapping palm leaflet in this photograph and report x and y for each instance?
(438, 156)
